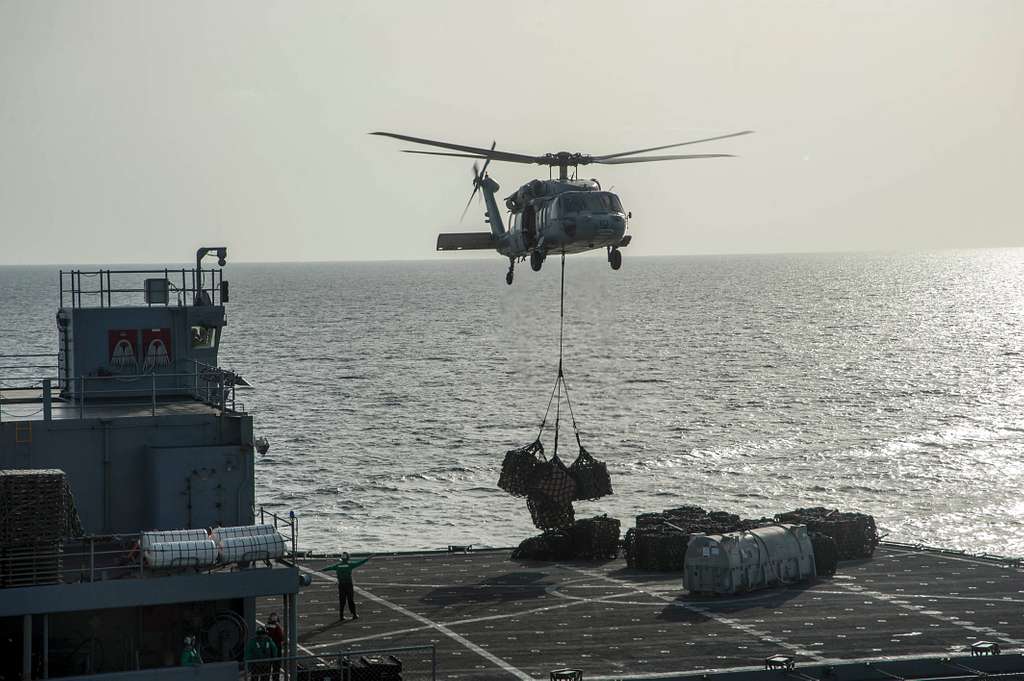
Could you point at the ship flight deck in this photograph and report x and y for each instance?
(494, 618)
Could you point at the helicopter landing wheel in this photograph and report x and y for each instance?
(511, 271)
(615, 258)
(508, 277)
(536, 260)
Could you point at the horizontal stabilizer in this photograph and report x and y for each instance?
(466, 241)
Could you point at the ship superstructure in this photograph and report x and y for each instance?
(147, 433)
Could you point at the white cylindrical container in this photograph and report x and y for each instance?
(164, 536)
(256, 547)
(222, 533)
(181, 553)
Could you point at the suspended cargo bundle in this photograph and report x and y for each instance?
(552, 482)
(595, 538)
(517, 470)
(826, 555)
(591, 476)
(548, 514)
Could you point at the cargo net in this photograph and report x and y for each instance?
(37, 513)
(549, 485)
(659, 540)
(855, 534)
(594, 538)
(826, 555)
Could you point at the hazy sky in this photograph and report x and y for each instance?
(134, 131)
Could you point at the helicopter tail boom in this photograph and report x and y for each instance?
(466, 241)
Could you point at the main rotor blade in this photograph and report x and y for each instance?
(644, 159)
(497, 155)
(441, 153)
(597, 159)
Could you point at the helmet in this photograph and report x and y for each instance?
(188, 640)
(261, 630)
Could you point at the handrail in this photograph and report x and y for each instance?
(206, 383)
(103, 557)
(188, 286)
(291, 522)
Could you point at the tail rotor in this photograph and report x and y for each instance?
(478, 178)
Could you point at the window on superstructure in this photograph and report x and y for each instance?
(204, 336)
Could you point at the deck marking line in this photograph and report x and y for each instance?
(962, 559)
(763, 636)
(370, 637)
(471, 620)
(756, 668)
(458, 638)
(947, 597)
(893, 600)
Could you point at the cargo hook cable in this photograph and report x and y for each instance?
(560, 383)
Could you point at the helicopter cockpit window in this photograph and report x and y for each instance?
(602, 202)
(595, 202)
(571, 204)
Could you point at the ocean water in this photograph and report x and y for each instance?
(891, 384)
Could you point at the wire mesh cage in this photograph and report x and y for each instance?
(517, 469)
(591, 476)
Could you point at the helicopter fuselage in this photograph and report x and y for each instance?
(561, 216)
(545, 217)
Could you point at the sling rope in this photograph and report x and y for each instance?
(560, 383)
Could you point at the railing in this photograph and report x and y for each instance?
(96, 558)
(208, 384)
(189, 286)
(291, 522)
(415, 663)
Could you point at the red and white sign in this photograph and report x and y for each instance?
(123, 349)
(156, 349)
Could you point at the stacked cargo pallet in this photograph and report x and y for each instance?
(659, 540)
(594, 538)
(855, 534)
(36, 513)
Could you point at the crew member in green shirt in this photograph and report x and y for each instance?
(259, 652)
(189, 655)
(346, 589)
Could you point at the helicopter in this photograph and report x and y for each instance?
(564, 215)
